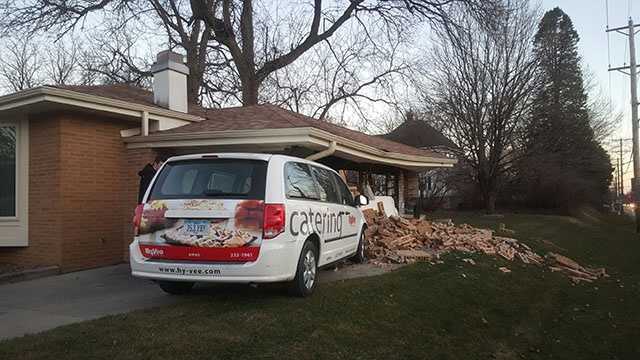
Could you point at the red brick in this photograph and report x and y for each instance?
(83, 186)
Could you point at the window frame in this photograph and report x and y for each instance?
(257, 191)
(313, 180)
(16, 189)
(318, 186)
(14, 229)
(342, 186)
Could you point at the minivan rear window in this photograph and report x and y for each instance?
(211, 178)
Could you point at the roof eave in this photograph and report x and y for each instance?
(296, 135)
(90, 102)
(400, 157)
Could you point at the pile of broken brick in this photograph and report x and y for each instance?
(398, 240)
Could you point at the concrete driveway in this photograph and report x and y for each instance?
(37, 305)
(41, 304)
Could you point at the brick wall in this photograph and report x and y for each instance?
(82, 185)
(45, 226)
(91, 176)
(411, 187)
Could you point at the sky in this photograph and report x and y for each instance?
(590, 21)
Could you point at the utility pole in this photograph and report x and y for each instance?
(634, 114)
(621, 170)
(620, 184)
(616, 192)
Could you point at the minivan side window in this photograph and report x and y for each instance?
(326, 185)
(346, 198)
(298, 182)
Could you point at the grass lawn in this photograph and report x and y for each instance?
(445, 311)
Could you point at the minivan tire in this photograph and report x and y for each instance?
(176, 287)
(360, 256)
(306, 272)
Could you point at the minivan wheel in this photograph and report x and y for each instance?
(306, 272)
(360, 256)
(176, 287)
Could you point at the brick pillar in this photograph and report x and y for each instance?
(411, 190)
(135, 160)
(401, 192)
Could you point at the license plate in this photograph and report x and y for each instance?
(196, 227)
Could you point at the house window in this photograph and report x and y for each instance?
(8, 170)
(14, 176)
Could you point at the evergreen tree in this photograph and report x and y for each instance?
(564, 165)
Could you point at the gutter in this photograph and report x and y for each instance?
(324, 153)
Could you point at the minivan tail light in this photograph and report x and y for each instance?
(273, 223)
(137, 218)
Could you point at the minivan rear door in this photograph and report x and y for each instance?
(208, 209)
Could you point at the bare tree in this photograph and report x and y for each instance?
(433, 189)
(354, 70)
(230, 27)
(63, 62)
(114, 57)
(346, 83)
(483, 80)
(603, 118)
(19, 67)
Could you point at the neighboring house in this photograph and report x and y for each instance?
(429, 187)
(69, 158)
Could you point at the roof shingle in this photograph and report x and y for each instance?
(418, 133)
(265, 116)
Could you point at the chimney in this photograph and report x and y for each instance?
(170, 81)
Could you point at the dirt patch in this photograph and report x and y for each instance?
(347, 270)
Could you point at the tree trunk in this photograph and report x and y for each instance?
(488, 191)
(490, 202)
(250, 86)
(194, 80)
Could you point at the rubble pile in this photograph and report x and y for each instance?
(573, 270)
(398, 240)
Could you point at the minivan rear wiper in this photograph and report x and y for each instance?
(213, 192)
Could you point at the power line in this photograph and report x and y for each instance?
(628, 163)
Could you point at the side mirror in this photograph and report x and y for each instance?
(362, 200)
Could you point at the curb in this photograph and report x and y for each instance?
(29, 274)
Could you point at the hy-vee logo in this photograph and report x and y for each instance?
(301, 222)
(153, 252)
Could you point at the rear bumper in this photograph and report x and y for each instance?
(276, 262)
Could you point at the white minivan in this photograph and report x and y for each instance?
(244, 218)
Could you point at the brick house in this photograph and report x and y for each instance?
(69, 158)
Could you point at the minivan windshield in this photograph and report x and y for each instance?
(211, 178)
